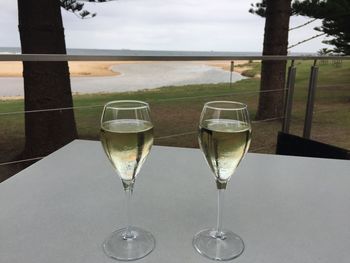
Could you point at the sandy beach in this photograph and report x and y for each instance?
(76, 68)
(239, 65)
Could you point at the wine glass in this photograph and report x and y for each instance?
(224, 138)
(127, 138)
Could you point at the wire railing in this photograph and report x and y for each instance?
(22, 161)
(195, 132)
(186, 57)
(154, 100)
(176, 135)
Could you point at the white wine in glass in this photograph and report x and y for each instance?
(127, 144)
(127, 138)
(224, 138)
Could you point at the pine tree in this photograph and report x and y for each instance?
(76, 7)
(335, 15)
(277, 14)
(46, 84)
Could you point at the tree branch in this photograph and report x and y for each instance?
(308, 22)
(305, 40)
(76, 7)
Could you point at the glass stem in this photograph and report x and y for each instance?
(128, 195)
(219, 233)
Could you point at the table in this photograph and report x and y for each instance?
(286, 209)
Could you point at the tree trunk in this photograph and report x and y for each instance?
(46, 84)
(273, 72)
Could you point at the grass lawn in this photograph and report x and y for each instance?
(176, 110)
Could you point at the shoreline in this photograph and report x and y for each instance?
(86, 69)
(76, 69)
(240, 66)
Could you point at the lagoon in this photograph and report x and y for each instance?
(136, 76)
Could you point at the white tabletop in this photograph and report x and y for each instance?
(286, 209)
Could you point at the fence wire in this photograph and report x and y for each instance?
(256, 149)
(194, 132)
(21, 161)
(157, 100)
(185, 57)
(156, 138)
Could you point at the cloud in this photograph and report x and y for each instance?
(222, 25)
(9, 35)
(175, 25)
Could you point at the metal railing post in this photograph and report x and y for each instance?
(288, 100)
(310, 101)
(231, 71)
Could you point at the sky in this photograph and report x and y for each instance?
(195, 25)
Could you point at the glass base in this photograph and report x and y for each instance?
(120, 247)
(225, 246)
